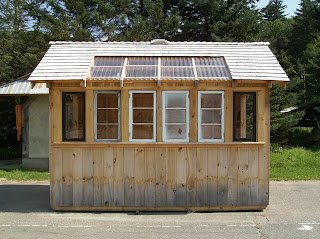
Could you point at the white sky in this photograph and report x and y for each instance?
(292, 5)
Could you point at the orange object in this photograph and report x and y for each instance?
(18, 121)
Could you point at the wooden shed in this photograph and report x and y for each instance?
(159, 125)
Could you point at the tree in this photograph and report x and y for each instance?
(218, 20)
(311, 68)
(273, 11)
(12, 15)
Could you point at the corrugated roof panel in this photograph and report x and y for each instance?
(71, 60)
(23, 87)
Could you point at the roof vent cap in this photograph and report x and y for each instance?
(159, 42)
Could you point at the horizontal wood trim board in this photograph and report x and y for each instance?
(177, 209)
(156, 145)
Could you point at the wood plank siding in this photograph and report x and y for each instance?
(179, 177)
(118, 176)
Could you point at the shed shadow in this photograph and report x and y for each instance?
(25, 198)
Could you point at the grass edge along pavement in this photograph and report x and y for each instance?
(285, 164)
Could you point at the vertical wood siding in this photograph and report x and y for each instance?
(159, 177)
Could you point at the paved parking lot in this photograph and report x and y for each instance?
(294, 212)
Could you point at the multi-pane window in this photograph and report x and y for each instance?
(107, 115)
(142, 116)
(244, 116)
(73, 116)
(210, 116)
(175, 116)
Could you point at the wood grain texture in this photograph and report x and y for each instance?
(202, 180)
(56, 178)
(191, 176)
(223, 162)
(129, 176)
(67, 177)
(124, 115)
(77, 178)
(139, 175)
(233, 163)
(228, 115)
(108, 177)
(160, 174)
(181, 175)
(150, 178)
(171, 177)
(57, 116)
(98, 179)
(89, 111)
(87, 162)
(212, 177)
(118, 175)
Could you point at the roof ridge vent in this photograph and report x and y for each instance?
(159, 42)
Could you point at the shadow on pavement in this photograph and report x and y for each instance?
(25, 198)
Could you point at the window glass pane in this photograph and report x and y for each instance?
(107, 132)
(211, 100)
(176, 131)
(108, 61)
(211, 131)
(142, 61)
(141, 71)
(175, 100)
(175, 116)
(106, 100)
(107, 116)
(142, 131)
(176, 61)
(211, 116)
(142, 116)
(169, 72)
(99, 72)
(142, 100)
(245, 116)
(73, 116)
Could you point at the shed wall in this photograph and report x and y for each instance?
(159, 176)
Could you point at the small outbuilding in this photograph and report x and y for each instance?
(32, 119)
(159, 125)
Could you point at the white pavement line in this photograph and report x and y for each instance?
(202, 225)
(4, 225)
(159, 226)
(311, 223)
(305, 228)
(244, 225)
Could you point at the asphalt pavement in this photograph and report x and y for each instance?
(294, 212)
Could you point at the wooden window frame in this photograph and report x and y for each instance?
(64, 139)
(164, 134)
(200, 139)
(154, 92)
(96, 93)
(254, 94)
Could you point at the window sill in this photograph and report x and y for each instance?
(155, 145)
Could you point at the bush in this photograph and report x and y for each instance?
(300, 136)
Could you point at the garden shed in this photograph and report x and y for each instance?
(32, 128)
(159, 125)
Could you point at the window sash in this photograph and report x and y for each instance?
(254, 119)
(64, 117)
(164, 114)
(200, 111)
(96, 94)
(131, 111)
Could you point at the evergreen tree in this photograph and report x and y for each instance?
(311, 68)
(12, 15)
(273, 11)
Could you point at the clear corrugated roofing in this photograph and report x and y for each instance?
(23, 87)
(159, 68)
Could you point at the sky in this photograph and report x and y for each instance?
(292, 5)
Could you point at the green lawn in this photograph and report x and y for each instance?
(24, 174)
(295, 164)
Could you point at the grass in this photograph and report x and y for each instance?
(296, 163)
(24, 174)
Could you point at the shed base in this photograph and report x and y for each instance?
(155, 209)
(41, 163)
